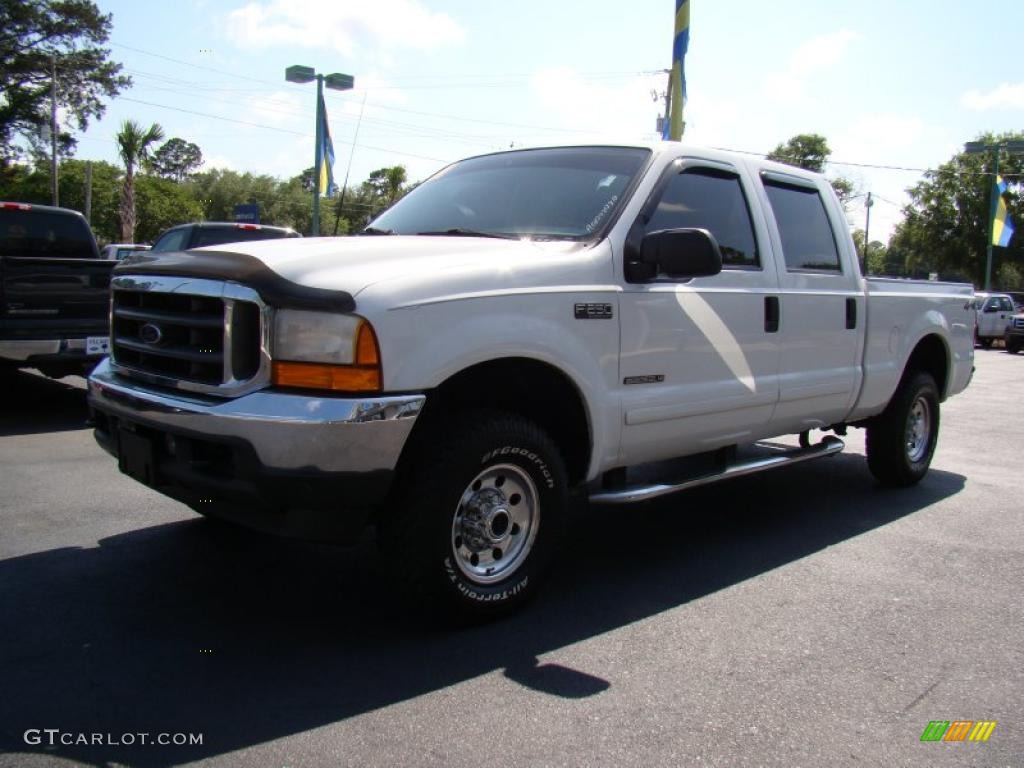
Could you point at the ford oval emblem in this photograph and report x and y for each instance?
(151, 334)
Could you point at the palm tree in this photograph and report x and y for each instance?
(396, 177)
(133, 144)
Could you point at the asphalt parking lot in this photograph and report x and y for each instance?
(800, 618)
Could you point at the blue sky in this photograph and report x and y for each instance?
(892, 84)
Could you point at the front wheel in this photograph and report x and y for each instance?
(1012, 346)
(901, 440)
(479, 515)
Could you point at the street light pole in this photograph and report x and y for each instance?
(977, 148)
(337, 82)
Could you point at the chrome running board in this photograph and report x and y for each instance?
(632, 494)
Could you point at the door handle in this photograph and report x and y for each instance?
(771, 314)
(851, 314)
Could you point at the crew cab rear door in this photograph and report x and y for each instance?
(821, 303)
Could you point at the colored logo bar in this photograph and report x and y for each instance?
(958, 730)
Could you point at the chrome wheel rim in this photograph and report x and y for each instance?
(919, 429)
(495, 523)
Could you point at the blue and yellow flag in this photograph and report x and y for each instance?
(1002, 224)
(673, 128)
(325, 184)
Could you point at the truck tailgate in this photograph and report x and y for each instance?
(47, 294)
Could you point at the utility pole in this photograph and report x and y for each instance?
(867, 230)
(53, 131)
(88, 192)
(668, 101)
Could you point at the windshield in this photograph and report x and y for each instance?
(567, 193)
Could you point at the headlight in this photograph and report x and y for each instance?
(315, 337)
(319, 350)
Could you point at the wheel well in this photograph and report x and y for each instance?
(930, 355)
(529, 388)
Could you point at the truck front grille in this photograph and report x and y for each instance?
(1018, 323)
(207, 341)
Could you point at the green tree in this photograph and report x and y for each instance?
(36, 36)
(880, 260)
(946, 224)
(285, 204)
(133, 145)
(162, 203)
(177, 159)
(811, 152)
(33, 186)
(388, 184)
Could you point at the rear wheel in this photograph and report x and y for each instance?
(901, 440)
(479, 516)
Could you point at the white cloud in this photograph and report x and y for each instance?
(293, 109)
(878, 139)
(345, 27)
(816, 55)
(218, 161)
(571, 101)
(1005, 96)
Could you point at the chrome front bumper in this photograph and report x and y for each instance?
(20, 350)
(288, 432)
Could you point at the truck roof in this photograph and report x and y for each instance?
(751, 160)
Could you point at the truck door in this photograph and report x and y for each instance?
(698, 364)
(822, 305)
(994, 316)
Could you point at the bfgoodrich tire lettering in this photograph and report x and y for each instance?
(901, 440)
(477, 519)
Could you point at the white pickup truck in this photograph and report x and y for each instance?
(520, 325)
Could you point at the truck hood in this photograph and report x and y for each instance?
(352, 264)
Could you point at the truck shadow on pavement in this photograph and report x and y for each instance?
(196, 627)
(32, 404)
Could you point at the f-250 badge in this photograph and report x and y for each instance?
(593, 311)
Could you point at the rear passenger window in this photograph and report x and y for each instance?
(712, 200)
(808, 242)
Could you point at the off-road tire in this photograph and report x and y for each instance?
(901, 440)
(451, 509)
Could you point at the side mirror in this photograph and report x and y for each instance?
(682, 253)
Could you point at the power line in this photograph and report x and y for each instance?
(275, 128)
(606, 75)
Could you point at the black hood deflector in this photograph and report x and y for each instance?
(239, 268)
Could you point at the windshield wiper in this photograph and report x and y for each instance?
(461, 232)
(376, 231)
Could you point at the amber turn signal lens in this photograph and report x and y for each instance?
(367, 352)
(342, 378)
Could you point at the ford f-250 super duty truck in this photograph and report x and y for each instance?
(522, 324)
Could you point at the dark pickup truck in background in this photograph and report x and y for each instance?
(54, 291)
